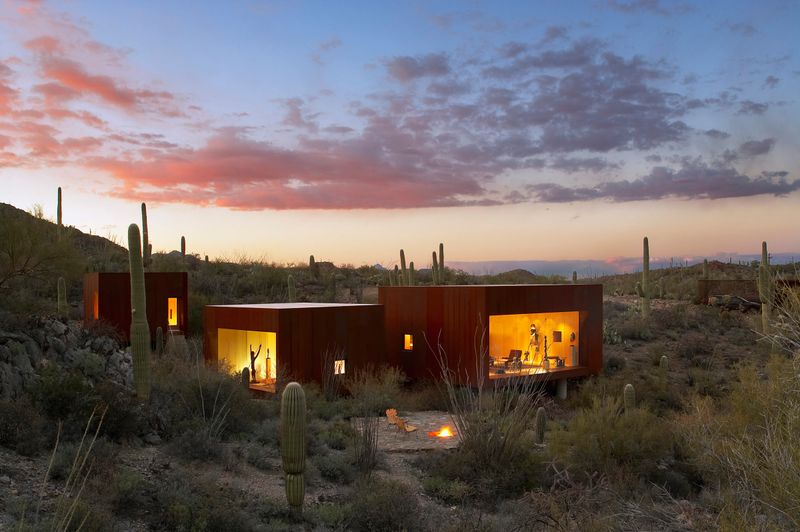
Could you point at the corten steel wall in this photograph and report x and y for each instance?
(454, 316)
(304, 332)
(746, 288)
(114, 299)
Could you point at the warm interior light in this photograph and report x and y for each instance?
(96, 305)
(233, 349)
(514, 348)
(338, 367)
(172, 311)
(408, 342)
(444, 432)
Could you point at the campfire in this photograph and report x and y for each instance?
(444, 432)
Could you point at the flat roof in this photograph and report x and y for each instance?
(288, 306)
(507, 285)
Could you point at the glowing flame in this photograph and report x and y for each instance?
(444, 432)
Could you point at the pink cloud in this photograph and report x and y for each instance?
(72, 76)
(239, 173)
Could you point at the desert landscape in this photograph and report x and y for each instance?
(454, 265)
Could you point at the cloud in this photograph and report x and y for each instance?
(324, 47)
(635, 6)
(233, 171)
(407, 68)
(694, 180)
(771, 82)
(572, 165)
(716, 134)
(749, 107)
(754, 148)
(742, 28)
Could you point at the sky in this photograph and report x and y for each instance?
(543, 130)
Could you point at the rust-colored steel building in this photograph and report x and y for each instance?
(552, 332)
(293, 340)
(107, 296)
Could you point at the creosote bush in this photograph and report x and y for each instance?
(384, 505)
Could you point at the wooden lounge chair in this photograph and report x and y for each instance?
(400, 423)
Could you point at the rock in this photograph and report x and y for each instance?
(10, 381)
(5, 479)
(19, 358)
(5, 354)
(57, 344)
(58, 328)
(152, 439)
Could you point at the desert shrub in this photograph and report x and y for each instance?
(260, 457)
(127, 490)
(333, 516)
(375, 389)
(104, 455)
(693, 345)
(66, 396)
(126, 416)
(675, 317)
(422, 395)
(610, 334)
(336, 435)
(267, 432)
(384, 505)
(750, 446)
(604, 439)
(197, 441)
(336, 467)
(634, 327)
(22, 427)
(614, 363)
(446, 490)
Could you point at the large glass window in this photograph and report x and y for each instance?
(237, 348)
(522, 344)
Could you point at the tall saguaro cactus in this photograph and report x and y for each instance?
(574, 277)
(411, 278)
(293, 443)
(291, 289)
(435, 269)
(146, 247)
(183, 246)
(140, 330)
(645, 278)
(441, 263)
(629, 397)
(765, 289)
(62, 297)
(59, 220)
(705, 268)
(403, 269)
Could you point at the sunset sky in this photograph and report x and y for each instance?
(508, 130)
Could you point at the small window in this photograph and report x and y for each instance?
(338, 367)
(408, 342)
(172, 311)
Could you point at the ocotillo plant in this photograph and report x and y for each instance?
(159, 340)
(183, 246)
(145, 238)
(292, 289)
(293, 443)
(540, 422)
(435, 268)
(140, 330)
(765, 289)
(59, 220)
(629, 397)
(645, 278)
(62, 297)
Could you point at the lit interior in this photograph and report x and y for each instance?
(172, 311)
(96, 305)
(515, 350)
(338, 367)
(408, 342)
(233, 348)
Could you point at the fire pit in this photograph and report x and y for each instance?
(444, 432)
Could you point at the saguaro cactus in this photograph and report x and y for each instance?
(140, 330)
(246, 378)
(183, 246)
(62, 297)
(705, 268)
(403, 269)
(58, 211)
(411, 279)
(645, 278)
(159, 340)
(629, 397)
(540, 422)
(574, 277)
(663, 364)
(292, 289)
(765, 289)
(435, 269)
(145, 238)
(293, 443)
(441, 272)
